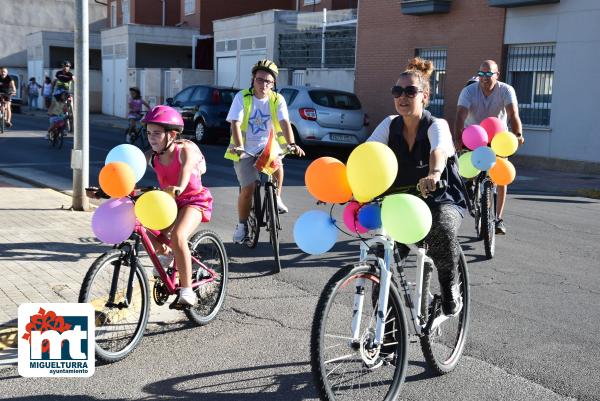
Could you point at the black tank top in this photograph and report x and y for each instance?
(414, 164)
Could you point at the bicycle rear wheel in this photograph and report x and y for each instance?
(254, 219)
(119, 328)
(348, 370)
(443, 346)
(488, 219)
(273, 226)
(2, 123)
(60, 139)
(207, 247)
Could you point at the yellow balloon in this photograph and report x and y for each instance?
(371, 169)
(504, 144)
(156, 210)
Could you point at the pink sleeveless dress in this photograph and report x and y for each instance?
(194, 195)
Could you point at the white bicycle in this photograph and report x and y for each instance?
(359, 339)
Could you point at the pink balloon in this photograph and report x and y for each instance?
(492, 125)
(474, 136)
(351, 217)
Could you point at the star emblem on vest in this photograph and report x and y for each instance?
(258, 122)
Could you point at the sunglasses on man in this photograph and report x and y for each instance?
(410, 91)
(488, 74)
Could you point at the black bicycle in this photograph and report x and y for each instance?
(133, 135)
(264, 213)
(482, 206)
(3, 106)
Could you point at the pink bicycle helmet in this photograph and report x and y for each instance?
(166, 116)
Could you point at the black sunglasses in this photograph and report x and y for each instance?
(485, 74)
(410, 91)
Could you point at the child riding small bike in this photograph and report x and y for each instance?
(58, 113)
(178, 165)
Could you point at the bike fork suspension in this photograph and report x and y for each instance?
(384, 292)
(359, 300)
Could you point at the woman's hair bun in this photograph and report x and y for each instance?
(425, 67)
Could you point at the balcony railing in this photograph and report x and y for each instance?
(421, 7)
(519, 3)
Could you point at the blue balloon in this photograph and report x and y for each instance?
(369, 216)
(131, 155)
(483, 158)
(314, 232)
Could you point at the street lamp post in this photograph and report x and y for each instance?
(80, 152)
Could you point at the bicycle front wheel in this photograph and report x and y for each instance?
(119, 327)
(345, 369)
(208, 249)
(254, 219)
(273, 227)
(443, 346)
(488, 219)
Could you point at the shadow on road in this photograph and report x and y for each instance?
(50, 251)
(555, 200)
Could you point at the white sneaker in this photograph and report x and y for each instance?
(187, 296)
(240, 233)
(281, 206)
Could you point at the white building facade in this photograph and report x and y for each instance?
(552, 55)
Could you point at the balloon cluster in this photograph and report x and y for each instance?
(371, 169)
(114, 221)
(502, 143)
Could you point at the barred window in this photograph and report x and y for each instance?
(438, 78)
(530, 70)
(189, 7)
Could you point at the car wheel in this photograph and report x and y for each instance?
(200, 132)
(298, 140)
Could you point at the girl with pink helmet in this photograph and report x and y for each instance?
(178, 165)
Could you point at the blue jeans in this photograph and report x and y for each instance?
(32, 101)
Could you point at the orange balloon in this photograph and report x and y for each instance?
(503, 172)
(326, 180)
(117, 179)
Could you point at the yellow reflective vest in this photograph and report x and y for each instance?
(247, 96)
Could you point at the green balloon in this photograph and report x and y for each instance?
(406, 218)
(465, 166)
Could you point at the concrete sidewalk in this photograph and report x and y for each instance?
(45, 252)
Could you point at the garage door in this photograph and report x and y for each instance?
(247, 61)
(226, 71)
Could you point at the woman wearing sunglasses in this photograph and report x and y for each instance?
(425, 153)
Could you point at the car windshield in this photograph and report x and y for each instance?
(336, 100)
(227, 96)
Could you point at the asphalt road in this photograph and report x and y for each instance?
(534, 331)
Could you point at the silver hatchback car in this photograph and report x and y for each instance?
(329, 117)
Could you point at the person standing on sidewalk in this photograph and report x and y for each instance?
(33, 92)
(47, 92)
(254, 114)
(489, 98)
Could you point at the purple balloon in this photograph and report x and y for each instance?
(114, 221)
(474, 136)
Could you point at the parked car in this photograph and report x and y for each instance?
(204, 109)
(321, 116)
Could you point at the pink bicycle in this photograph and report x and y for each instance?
(118, 288)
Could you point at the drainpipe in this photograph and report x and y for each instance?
(164, 11)
(323, 38)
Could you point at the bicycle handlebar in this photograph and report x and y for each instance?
(100, 194)
(242, 150)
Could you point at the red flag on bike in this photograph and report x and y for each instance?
(268, 162)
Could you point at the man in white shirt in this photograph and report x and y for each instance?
(489, 98)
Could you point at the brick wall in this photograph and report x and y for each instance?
(149, 12)
(210, 10)
(329, 4)
(471, 32)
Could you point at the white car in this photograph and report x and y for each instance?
(325, 117)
